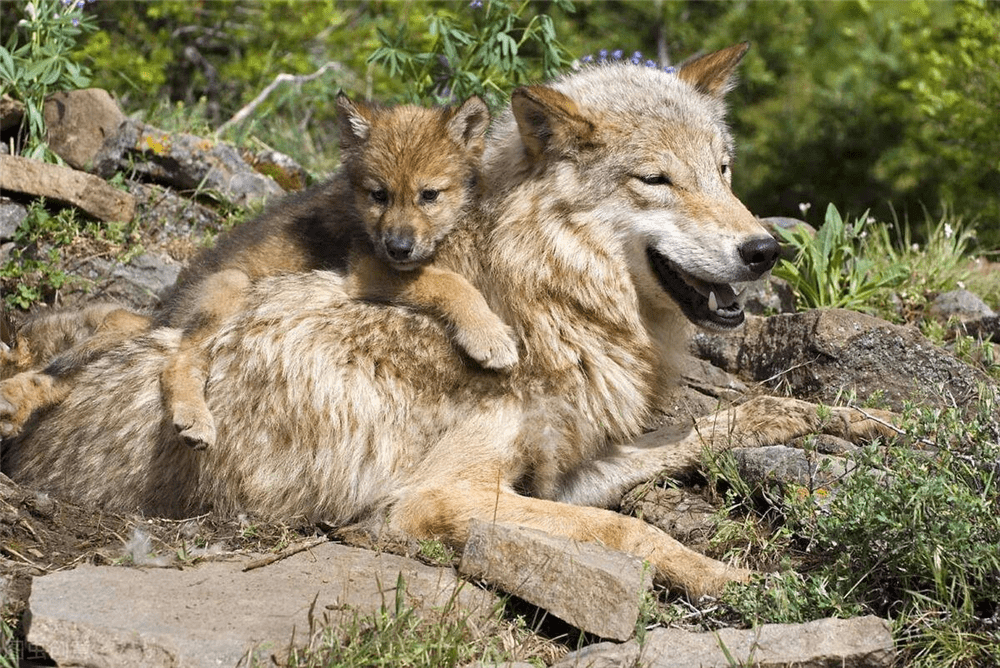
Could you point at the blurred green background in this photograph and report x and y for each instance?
(892, 107)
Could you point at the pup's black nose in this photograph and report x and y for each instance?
(399, 246)
(760, 254)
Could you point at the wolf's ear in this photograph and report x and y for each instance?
(354, 120)
(549, 122)
(713, 74)
(468, 124)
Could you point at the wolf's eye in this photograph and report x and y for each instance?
(724, 169)
(380, 195)
(429, 195)
(656, 180)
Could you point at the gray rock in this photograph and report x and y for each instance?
(167, 216)
(183, 161)
(88, 192)
(137, 284)
(773, 469)
(825, 643)
(289, 174)
(217, 614)
(960, 304)
(820, 354)
(987, 328)
(684, 515)
(12, 215)
(78, 122)
(769, 297)
(595, 589)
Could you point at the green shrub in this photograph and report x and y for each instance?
(40, 63)
(479, 50)
(830, 269)
(912, 535)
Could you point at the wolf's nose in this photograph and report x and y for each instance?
(399, 247)
(760, 254)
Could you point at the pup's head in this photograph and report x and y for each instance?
(414, 171)
(651, 153)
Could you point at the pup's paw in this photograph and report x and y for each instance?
(194, 424)
(491, 344)
(20, 396)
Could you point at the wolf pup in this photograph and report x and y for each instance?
(409, 175)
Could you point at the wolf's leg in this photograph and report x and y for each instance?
(674, 449)
(32, 390)
(186, 371)
(444, 512)
(476, 328)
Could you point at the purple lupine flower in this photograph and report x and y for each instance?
(669, 69)
(650, 63)
(636, 58)
(476, 4)
(617, 54)
(587, 59)
(602, 55)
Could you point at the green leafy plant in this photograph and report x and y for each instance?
(830, 269)
(480, 51)
(33, 271)
(911, 535)
(42, 64)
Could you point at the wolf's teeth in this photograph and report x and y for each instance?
(713, 304)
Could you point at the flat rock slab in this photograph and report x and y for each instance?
(595, 589)
(88, 192)
(217, 614)
(825, 643)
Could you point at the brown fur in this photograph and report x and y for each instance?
(409, 174)
(348, 411)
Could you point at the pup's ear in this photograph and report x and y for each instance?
(714, 73)
(468, 124)
(549, 122)
(354, 120)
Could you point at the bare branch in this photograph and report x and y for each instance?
(243, 113)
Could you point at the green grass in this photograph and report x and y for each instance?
(912, 536)
(34, 273)
(397, 636)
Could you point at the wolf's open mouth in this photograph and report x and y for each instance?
(710, 305)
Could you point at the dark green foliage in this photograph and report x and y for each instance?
(912, 535)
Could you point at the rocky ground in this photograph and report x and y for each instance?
(80, 586)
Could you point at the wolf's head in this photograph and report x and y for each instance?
(414, 172)
(652, 156)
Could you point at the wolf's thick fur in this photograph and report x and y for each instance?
(609, 205)
(409, 176)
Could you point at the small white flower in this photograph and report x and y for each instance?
(948, 231)
(29, 9)
(804, 207)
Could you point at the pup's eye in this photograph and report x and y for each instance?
(656, 180)
(724, 168)
(429, 195)
(380, 195)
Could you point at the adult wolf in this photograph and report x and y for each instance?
(609, 215)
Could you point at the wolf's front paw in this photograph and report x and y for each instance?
(491, 344)
(194, 424)
(20, 396)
